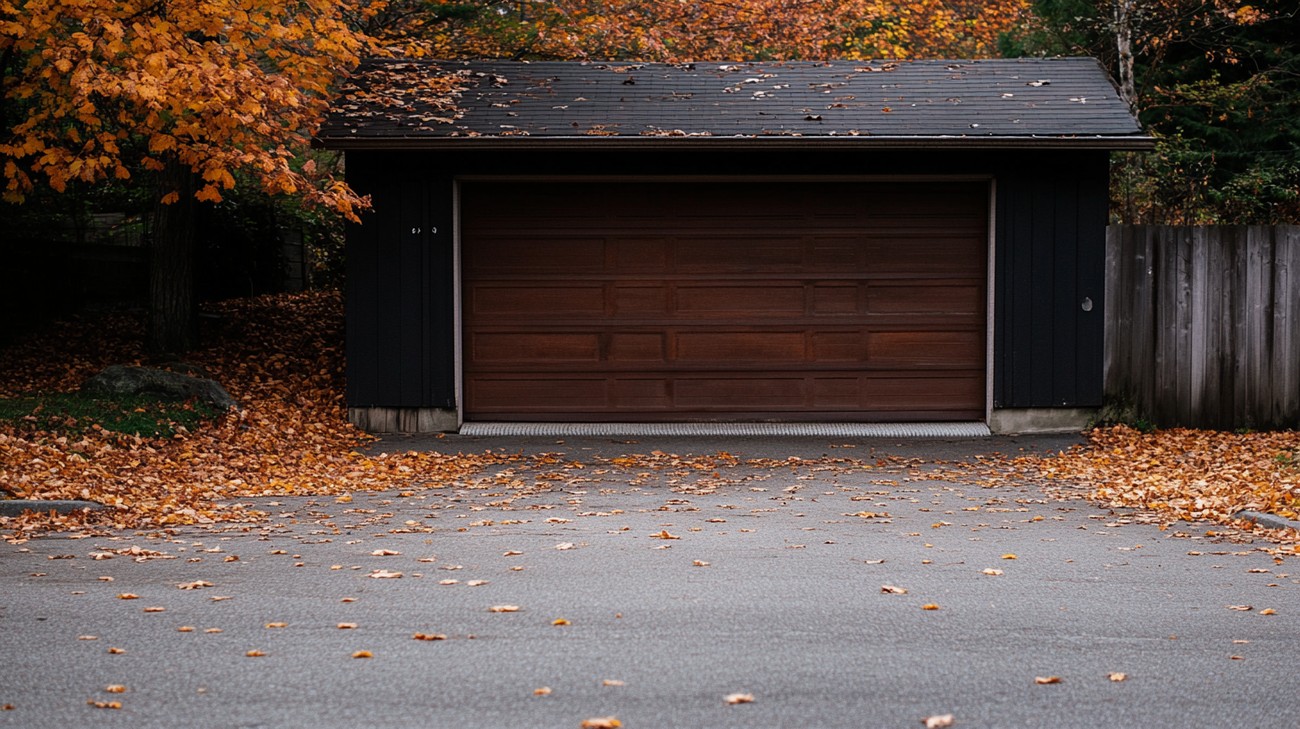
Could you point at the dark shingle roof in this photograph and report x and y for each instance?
(1062, 102)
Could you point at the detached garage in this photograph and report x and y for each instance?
(791, 242)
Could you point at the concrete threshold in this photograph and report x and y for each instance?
(823, 430)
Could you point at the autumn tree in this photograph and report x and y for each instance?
(1218, 84)
(688, 30)
(192, 94)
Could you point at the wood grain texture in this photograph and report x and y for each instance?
(1203, 324)
(738, 301)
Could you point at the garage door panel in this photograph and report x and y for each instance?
(751, 347)
(523, 299)
(920, 298)
(532, 255)
(838, 346)
(733, 298)
(633, 301)
(760, 392)
(934, 256)
(529, 348)
(537, 395)
(737, 255)
(638, 348)
(626, 301)
(908, 349)
(836, 299)
(640, 255)
(943, 394)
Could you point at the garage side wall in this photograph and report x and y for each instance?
(399, 301)
(1050, 282)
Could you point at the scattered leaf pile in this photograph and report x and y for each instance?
(1172, 475)
(279, 356)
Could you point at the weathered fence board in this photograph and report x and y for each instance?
(1203, 324)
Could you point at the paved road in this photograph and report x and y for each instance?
(772, 587)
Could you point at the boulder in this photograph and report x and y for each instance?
(163, 384)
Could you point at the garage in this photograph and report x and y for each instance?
(558, 245)
(681, 300)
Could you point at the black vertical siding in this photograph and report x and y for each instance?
(1050, 257)
(400, 272)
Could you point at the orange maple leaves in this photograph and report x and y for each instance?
(728, 30)
(104, 89)
(280, 356)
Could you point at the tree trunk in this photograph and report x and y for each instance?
(1125, 11)
(173, 325)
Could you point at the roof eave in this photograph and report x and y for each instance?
(1130, 143)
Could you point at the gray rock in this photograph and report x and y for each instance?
(126, 380)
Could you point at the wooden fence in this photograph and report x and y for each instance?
(1203, 324)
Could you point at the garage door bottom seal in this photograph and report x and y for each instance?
(832, 430)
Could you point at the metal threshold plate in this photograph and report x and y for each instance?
(831, 430)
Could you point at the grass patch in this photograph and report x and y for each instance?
(74, 413)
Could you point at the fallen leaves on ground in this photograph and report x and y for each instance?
(1183, 474)
(601, 722)
(280, 356)
(939, 721)
(1045, 680)
(734, 699)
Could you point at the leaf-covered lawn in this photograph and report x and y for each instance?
(281, 357)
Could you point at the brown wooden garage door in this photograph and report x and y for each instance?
(606, 301)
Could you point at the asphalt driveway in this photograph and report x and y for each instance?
(837, 584)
